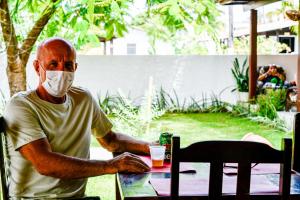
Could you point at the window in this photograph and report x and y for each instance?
(289, 41)
(131, 49)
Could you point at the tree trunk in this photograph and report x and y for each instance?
(17, 58)
(16, 78)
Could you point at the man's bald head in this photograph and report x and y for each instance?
(52, 44)
(54, 54)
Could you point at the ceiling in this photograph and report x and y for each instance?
(249, 4)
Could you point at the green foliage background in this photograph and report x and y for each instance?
(86, 21)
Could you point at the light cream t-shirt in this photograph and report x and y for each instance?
(68, 128)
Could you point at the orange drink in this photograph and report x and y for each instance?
(157, 155)
(157, 163)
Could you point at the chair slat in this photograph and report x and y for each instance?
(215, 180)
(175, 159)
(285, 170)
(243, 180)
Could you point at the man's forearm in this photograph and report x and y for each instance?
(65, 167)
(58, 165)
(118, 142)
(262, 77)
(127, 143)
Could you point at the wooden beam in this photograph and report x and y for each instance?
(258, 3)
(248, 4)
(253, 55)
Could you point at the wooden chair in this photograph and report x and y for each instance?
(242, 152)
(4, 188)
(296, 143)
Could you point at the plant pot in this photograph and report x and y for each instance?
(243, 96)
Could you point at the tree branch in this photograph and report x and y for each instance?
(35, 32)
(9, 34)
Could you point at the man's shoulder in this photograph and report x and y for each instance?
(21, 97)
(18, 104)
(79, 92)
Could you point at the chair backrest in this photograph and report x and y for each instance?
(242, 152)
(4, 187)
(296, 143)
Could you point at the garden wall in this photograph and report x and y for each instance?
(190, 76)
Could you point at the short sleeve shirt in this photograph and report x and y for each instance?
(68, 128)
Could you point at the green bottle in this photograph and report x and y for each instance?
(165, 140)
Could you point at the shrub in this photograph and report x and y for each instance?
(271, 102)
(136, 119)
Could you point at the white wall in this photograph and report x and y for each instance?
(190, 76)
(141, 40)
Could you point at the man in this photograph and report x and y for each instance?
(272, 76)
(48, 132)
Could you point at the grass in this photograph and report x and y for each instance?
(191, 128)
(103, 186)
(210, 126)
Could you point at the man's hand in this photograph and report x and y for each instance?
(129, 163)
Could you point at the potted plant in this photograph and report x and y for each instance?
(241, 76)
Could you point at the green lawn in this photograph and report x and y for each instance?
(191, 128)
(209, 126)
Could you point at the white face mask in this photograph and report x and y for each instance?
(58, 83)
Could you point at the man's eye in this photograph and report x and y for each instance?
(53, 65)
(69, 67)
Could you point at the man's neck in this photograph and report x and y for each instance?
(44, 95)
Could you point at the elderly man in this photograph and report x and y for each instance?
(49, 129)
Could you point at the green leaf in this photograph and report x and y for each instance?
(81, 25)
(174, 10)
(115, 9)
(109, 28)
(241, 77)
(91, 6)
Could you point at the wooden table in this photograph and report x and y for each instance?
(137, 186)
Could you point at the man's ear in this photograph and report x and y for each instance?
(76, 66)
(36, 66)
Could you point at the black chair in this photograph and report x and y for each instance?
(242, 152)
(4, 188)
(296, 143)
